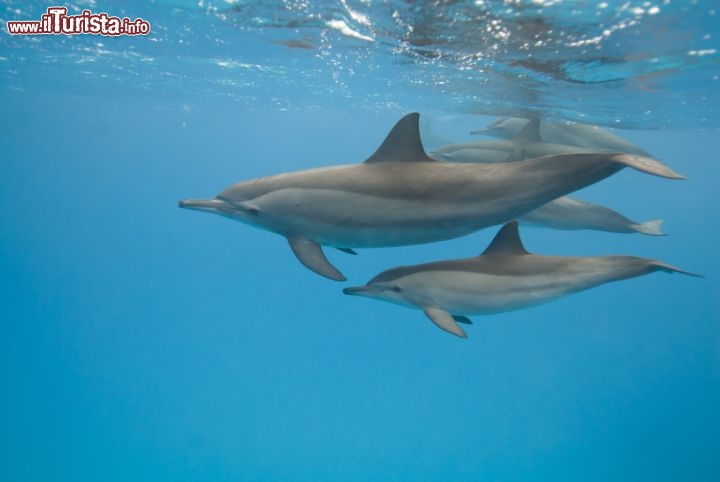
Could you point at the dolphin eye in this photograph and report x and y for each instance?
(396, 289)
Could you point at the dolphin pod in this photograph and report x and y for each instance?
(504, 277)
(400, 196)
(526, 138)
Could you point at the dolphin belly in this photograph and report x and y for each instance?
(337, 218)
(463, 293)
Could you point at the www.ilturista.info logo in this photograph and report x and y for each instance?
(57, 21)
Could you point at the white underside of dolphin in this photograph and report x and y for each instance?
(504, 277)
(399, 196)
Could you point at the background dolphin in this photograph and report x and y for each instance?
(526, 142)
(504, 277)
(569, 213)
(400, 196)
(567, 133)
(528, 138)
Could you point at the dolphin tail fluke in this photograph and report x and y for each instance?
(667, 268)
(444, 321)
(648, 165)
(310, 254)
(651, 228)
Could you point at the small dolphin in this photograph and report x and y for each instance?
(568, 213)
(567, 133)
(504, 277)
(400, 196)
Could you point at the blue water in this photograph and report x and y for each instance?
(144, 342)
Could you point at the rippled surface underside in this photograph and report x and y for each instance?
(634, 64)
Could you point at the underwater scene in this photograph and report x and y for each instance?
(297, 240)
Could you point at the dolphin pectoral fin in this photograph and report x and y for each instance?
(444, 321)
(346, 250)
(462, 319)
(310, 254)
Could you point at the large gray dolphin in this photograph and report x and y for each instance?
(504, 277)
(400, 196)
(568, 133)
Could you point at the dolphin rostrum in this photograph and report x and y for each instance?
(504, 277)
(400, 196)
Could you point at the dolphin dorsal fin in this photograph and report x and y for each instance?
(531, 131)
(403, 144)
(506, 241)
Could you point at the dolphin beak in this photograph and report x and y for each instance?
(206, 205)
(366, 290)
(359, 290)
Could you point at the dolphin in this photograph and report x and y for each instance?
(563, 213)
(400, 196)
(568, 133)
(568, 213)
(525, 144)
(505, 277)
